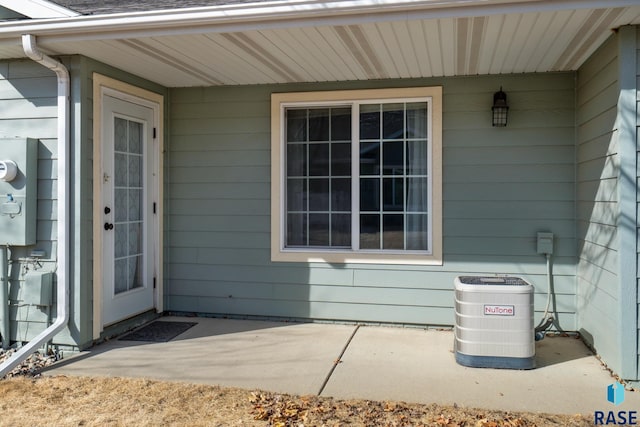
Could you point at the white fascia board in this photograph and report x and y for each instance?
(279, 14)
(38, 9)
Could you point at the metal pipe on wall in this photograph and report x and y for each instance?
(62, 288)
(4, 295)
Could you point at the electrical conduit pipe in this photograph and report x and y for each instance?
(547, 319)
(4, 295)
(62, 288)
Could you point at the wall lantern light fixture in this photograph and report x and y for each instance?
(500, 109)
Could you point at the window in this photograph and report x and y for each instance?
(356, 176)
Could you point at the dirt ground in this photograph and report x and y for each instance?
(91, 401)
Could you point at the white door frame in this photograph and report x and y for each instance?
(102, 86)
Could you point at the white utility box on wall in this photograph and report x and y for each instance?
(18, 191)
(494, 322)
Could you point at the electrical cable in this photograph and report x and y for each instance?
(546, 320)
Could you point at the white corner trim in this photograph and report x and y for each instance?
(38, 9)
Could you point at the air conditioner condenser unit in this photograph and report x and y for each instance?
(494, 322)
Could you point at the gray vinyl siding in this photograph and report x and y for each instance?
(82, 69)
(500, 187)
(28, 109)
(597, 201)
(83, 184)
(607, 189)
(28, 93)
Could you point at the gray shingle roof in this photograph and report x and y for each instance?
(100, 7)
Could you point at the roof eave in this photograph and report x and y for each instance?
(263, 15)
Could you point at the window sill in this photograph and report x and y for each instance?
(351, 257)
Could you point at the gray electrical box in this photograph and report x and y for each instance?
(36, 288)
(18, 191)
(545, 243)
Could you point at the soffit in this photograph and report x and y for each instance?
(389, 47)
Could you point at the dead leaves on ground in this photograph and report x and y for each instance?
(281, 410)
(93, 401)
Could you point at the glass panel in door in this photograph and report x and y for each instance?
(128, 205)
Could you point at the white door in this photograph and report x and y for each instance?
(127, 209)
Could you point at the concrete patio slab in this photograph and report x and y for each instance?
(381, 363)
(419, 366)
(276, 356)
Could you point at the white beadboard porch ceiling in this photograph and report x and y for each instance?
(416, 42)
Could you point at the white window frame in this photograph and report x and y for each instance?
(281, 101)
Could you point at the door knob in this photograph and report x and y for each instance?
(108, 226)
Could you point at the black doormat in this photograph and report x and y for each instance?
(158, 331)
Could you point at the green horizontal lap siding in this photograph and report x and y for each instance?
(28, 109)
(597, 201)
(500, 187)
(83, 185)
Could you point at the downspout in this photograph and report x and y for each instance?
(62, 288)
